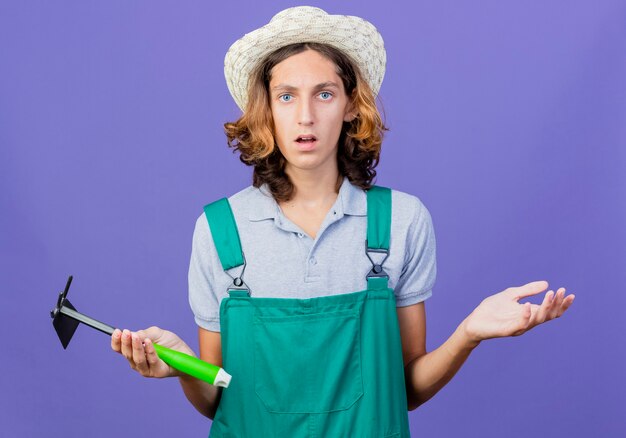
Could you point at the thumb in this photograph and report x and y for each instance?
(154, 333)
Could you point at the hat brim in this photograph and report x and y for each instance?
(355, 36)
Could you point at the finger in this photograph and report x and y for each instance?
(534, 312)
(151, 356)
(542, 314)
(566, 303)
(139, 355)
(529, 289)
(143, 338)
(143, 335)
(526, 314)
(116, 340)
(127, 348)
(558, 300)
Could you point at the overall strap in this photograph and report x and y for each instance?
(226, 238)
(378, 234)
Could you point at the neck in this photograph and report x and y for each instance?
(313, 188)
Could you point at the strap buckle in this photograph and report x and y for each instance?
(238, 283)
(377, 268)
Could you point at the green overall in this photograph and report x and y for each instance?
(329, 366)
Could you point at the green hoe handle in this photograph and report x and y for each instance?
(193, 366)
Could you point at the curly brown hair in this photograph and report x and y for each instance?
(253, 133)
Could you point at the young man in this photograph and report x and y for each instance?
(322, 322)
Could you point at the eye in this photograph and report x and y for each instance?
(287, 97)
(326, 95)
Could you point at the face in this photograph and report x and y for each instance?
(309, 105)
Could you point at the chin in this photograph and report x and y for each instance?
(308, 164)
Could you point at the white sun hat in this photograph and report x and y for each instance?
(356, 37)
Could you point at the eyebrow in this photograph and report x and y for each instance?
(286, 87)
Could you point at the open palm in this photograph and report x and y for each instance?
(503, 315)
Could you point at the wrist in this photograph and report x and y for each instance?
(468, 338)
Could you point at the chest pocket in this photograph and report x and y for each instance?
(308, 363)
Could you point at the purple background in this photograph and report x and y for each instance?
(508, 120)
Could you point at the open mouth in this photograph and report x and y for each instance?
(306, 142)
(306, 139)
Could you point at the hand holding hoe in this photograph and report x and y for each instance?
(66, 319)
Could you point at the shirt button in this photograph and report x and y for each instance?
(300, 235)
(313, 261)
(334, 212)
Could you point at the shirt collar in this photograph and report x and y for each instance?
(351, 200)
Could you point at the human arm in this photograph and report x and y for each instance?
(204, 397)
(426, 373)
(204, 300)
(499, 315)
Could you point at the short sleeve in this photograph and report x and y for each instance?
(419, 272)
(203, 299)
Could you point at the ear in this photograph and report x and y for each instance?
(350, 113)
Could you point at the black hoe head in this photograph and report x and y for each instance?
(64, 325)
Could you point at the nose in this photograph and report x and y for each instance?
(305, 112)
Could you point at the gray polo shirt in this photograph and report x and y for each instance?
(282, 261)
